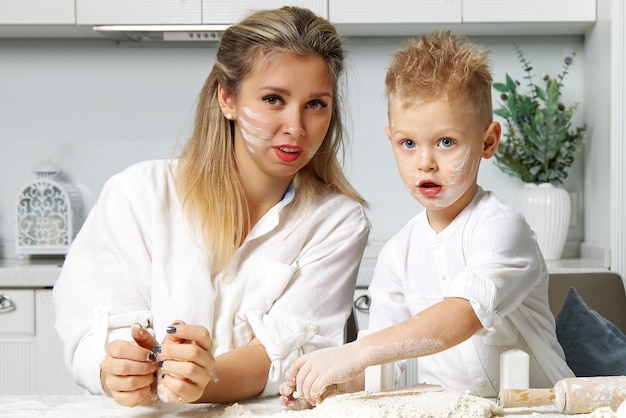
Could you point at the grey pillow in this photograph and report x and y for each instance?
(593, 345)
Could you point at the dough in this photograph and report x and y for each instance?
(419, 401)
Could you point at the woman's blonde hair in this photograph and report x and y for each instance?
(208, 182)
(442, 65)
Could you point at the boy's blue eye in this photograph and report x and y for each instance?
(407, 143)
(446, 142)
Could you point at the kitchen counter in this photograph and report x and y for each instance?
(29, 272)
(44, 271)
(104, 407)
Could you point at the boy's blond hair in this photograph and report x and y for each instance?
(442, 65)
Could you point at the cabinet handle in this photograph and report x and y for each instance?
(362, 303)
(6, 304)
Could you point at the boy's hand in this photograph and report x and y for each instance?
(185, 363)
(291, 399)
(315, 373)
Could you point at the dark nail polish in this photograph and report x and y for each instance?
(151, 357)
(160, 364)
(157, 349)
(154, 374)
(171, 330)
(163, 376)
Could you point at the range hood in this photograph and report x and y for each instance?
(175, 33)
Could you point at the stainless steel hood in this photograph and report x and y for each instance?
(174, 33)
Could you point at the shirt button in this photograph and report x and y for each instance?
(216, 343)
(227, 279)
(100, 311)
(311, 327)
(481, 382)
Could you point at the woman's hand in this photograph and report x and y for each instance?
(315, 374)
(185, 363)
(127, 372)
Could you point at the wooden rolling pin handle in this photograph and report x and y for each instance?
(513, 398)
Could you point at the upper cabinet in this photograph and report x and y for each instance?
(481, 11)
(178, 12)
(37, 12)
(472, 17)
(222, 12)
(394, 11)
(38, 18)
(138, 12)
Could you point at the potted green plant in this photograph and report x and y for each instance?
(538, 147)
(539, 143)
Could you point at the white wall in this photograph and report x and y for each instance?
(95, 108)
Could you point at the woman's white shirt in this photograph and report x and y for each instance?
(137, 260)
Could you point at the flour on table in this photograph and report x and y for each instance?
(419, 401)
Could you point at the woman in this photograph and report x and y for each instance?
(238, 256)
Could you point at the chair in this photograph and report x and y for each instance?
(603, 292)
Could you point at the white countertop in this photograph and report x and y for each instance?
(84, 406)
(29, 272)
(43, 272)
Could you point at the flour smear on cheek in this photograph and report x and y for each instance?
(461, 173)
(255, 136)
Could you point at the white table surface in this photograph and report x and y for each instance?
(85, 406)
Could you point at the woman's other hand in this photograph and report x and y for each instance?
(185, 363)
(127, 372)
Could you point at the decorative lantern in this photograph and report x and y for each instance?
(47, 213)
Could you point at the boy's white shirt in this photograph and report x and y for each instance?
(489, 256)
(136, 260)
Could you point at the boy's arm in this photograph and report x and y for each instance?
(433, 330)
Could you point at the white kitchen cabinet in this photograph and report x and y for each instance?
(477, 11)
(470, 17)
(394, 11)
(222, 12)
(37, 12)
(31, 360)
(138, 12)
(460, 11)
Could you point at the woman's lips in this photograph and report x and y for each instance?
(288, 153)
(428, 188)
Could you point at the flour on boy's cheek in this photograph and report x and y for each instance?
(255, 136)
(455, 181)
(460, 177)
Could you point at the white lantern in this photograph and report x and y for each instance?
(47, 213)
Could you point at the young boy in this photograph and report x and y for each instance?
(464, 280)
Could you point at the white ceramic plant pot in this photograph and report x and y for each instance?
(547, 210)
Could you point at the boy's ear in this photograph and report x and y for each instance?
(226, 102)
(388, 132)
(492, 139)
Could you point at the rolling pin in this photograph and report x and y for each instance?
(574, 395)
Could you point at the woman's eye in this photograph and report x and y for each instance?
(273, 100)
(407, 143)
(446, 142)
(317, 104)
